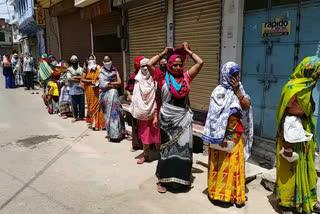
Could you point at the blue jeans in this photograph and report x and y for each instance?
(78, 106)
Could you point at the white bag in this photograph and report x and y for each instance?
(228, 149)
(293, 130)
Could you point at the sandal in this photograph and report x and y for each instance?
(160, 188)
(141, 160)
(74, 120)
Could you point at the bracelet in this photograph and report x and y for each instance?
(191, 54)
(241, 98)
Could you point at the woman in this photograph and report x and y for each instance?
(52, 95)
(174, 166)
(7, 72)
(91, 80)
(65, 105)
(109, 82)
(297, 177)
(74, 76)
(144, 108)
(229, 132)
(16, 64)
(136, 141)
(85, 69)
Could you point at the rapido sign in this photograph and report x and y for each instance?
(40, 18)
(278, 27)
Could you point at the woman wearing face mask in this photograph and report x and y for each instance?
(74, 76)
(144, 108)
(174, 166)
(136, 141)
(109, 82)
(229, 132)
(91, 80)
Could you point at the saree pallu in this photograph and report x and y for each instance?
(226, 171)
(18, 77)
(113, 113)
(95, 113)
(297, 181)
(65, 102)
(175, 163)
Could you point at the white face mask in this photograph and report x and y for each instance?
(144, 70)
(92, 64)
(107, 65)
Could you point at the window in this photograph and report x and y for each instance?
(2, 37)
(107, 43)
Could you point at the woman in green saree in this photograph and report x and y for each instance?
(296, 174)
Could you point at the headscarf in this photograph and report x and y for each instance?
(175, 81)
(6, 62)
(107, 76)
(130, 83)
(143, 103)
(223, 103)
(301, 83)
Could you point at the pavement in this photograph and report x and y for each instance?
(50, 165)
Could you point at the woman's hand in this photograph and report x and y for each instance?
(166, 51)
(235, 83)
(129, 98)
(155, 122)
(186, 46)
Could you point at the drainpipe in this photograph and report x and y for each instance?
(91, 37)
(170, 23)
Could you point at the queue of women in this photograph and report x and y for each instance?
(162, 119)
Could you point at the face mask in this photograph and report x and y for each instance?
(107, 65)
(92, 64)
(163, 68)
(54, 63)
(144, 70)
(75, 65)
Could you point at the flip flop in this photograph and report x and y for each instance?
(74, 120)
(141, 160)
(161, 189)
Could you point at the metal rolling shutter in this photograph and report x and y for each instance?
(107, 26)
(144, 39)
(74, 36)
(198, 22)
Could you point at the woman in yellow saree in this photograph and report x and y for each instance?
(296, 174)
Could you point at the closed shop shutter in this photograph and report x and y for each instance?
(74, 36)
(198, 22)
(147, 30)
(106, 41)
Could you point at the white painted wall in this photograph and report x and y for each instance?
(232, 31)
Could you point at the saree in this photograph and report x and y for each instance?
(65, 98)
(226, 174)
(95, 113)
(175, 163)
(296, 184)
(110, 103)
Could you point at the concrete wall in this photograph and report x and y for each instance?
(232, 31)
(8, 35)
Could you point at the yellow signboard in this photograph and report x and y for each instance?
(40, 17)
(276, 28)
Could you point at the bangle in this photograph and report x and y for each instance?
(191, 54)
(241, 98)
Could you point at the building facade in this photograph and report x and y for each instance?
(6, 44)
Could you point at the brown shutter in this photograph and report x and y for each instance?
(147, 30)
(74, 36)
(106, 41)
(198, 22)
